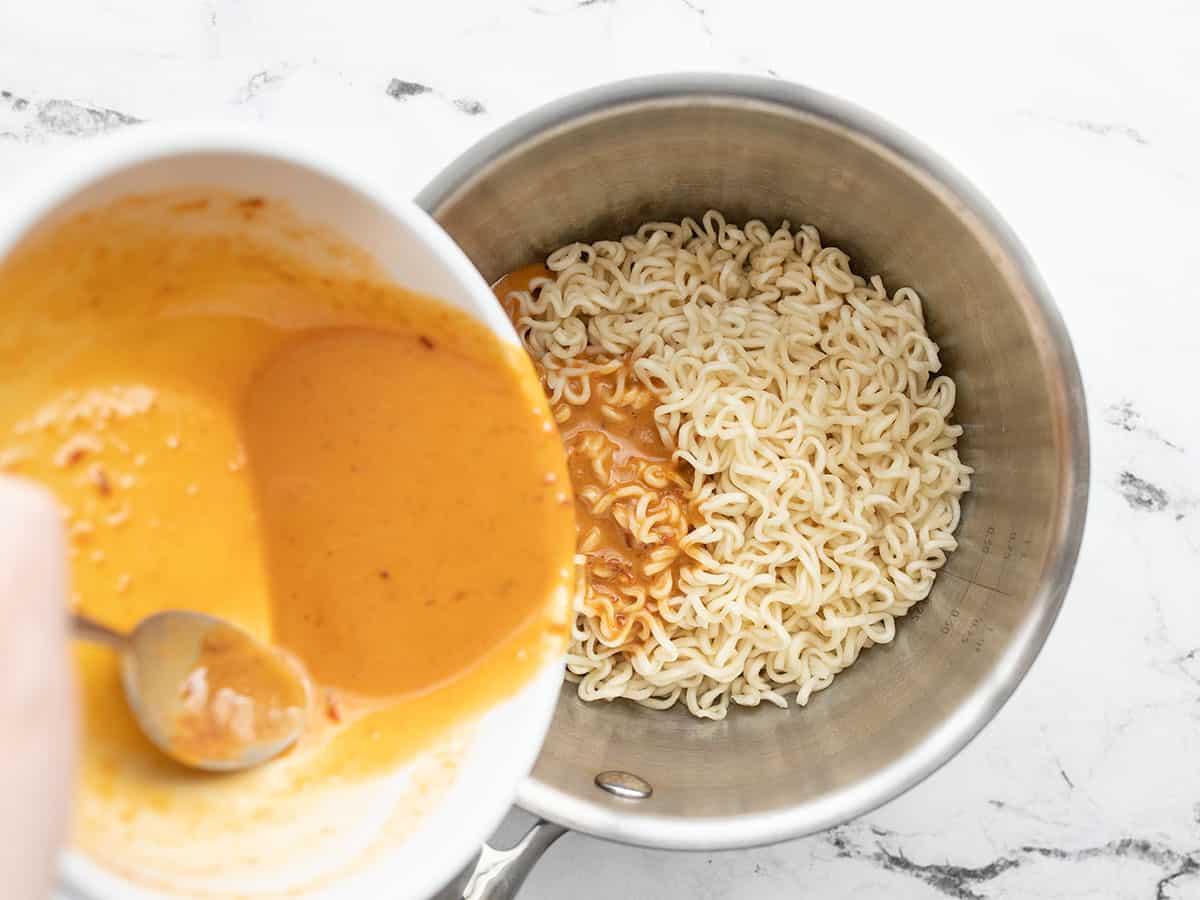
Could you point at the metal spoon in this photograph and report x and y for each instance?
(205, 692)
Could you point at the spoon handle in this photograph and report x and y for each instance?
(91, 630)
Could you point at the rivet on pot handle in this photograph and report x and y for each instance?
(499, 874)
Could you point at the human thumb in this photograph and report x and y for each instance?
(37, 697)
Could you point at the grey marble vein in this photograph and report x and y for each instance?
(701, 13)
(1189, 664)
(261, 80)
(578, 5)
(399, 89)
(1141, 494)
(469, 106)
(1126, 417)
(64, 117)
(1104, 129)
(1065, 777)
(16, 103)
(1093, 127)
(965, 882)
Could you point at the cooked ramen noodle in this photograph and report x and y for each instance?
(764, 464)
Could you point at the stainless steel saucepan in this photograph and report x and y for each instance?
(599, 164)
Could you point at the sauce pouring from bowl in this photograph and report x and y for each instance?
(205, 692)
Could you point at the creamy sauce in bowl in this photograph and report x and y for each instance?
(240, 415)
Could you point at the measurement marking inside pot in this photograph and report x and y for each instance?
(971, 581)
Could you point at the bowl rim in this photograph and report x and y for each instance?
(519, 721)
(960, 727)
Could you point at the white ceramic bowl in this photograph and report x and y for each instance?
(414, 251)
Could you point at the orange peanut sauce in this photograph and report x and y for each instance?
(241, 415)
(632, 497)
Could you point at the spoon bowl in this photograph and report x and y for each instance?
(205, 692)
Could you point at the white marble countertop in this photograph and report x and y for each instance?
(1082, 125)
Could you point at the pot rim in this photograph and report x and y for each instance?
(964, 723)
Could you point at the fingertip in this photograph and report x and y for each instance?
(32, 545)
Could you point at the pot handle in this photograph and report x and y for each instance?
(499, 874)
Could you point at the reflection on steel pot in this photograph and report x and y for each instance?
(601, 163)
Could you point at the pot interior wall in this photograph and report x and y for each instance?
(902, 708)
